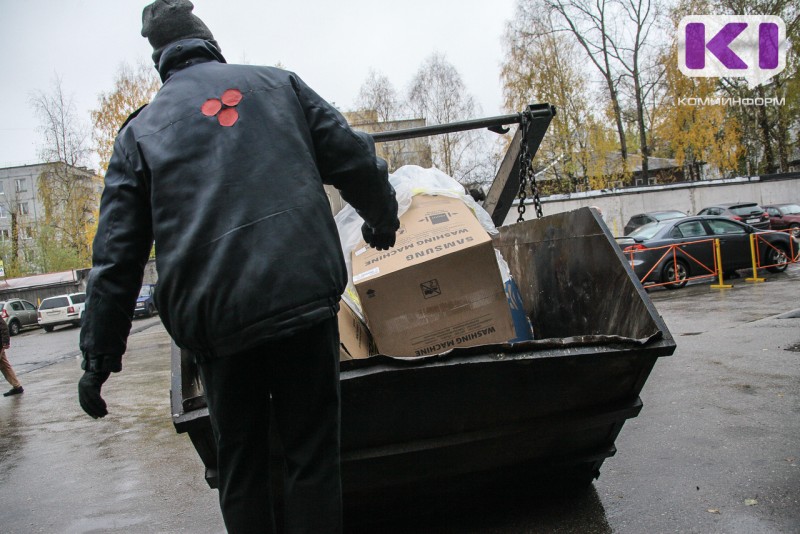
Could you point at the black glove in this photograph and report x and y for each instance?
(382, 239)
(89, 393)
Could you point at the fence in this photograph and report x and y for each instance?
(773, 255)
(679, 270)
(670, 265)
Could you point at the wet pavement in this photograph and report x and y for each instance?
(61, 471)
(716, 448)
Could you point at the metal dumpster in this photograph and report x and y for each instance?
(545, 411)
(551, 407)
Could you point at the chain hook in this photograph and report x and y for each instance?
(526, 173)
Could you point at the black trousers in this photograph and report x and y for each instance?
(299, 377)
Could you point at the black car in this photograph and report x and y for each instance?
(654, 262)
(746, 212)
(640, 219)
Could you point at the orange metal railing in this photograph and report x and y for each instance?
(758, 247)
(712, 271)
(759, 244)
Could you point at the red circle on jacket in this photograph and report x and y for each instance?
(228, 116)
(210, 107)
(231, 97)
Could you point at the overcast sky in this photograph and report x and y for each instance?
(330, 44)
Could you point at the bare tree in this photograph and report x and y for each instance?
(65, 138)
(619, 39)
(66, 188)
(377, 109)
(542, 65)
(638, 55)
(438, 94)
(591, 22)
(378, 94)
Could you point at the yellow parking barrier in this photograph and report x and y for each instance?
(718, 260)
(754, 255)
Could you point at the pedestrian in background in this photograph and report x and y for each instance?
(5, 365)
(225, 170)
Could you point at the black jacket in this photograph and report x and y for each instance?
(225, 170)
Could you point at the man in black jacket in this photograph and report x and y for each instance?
(225, 170)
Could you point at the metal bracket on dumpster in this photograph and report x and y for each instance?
(505, 186)
(504, 189)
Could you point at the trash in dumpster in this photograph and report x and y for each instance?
(408, 181)
(438, 288)
(431, 286)
(355, 340)
(523, 331)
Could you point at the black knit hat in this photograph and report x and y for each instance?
(167, 21)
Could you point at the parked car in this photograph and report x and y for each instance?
(145, 302)
(784, 216)
(18, 314)
(62, 309)
(640, 219)
(696, 259)
(746, 212)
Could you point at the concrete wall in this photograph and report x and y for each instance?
(617, 206)
(35, 293)
(150, 273)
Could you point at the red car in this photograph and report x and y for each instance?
(784, 216)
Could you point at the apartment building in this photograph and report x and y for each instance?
(22, 204)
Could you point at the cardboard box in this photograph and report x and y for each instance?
(438, 288)
(355, 340)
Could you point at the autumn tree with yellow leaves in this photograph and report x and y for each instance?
(699, 129)
(699, 124)
(767, 130)
(540, 66)
(134, 86)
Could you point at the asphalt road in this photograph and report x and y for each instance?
(716, 448)
(33, 348)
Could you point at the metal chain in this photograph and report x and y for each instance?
(537, 202)
(526, 174)
(523, 169)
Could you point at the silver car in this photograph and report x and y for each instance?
(18, 314)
